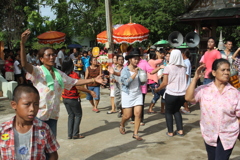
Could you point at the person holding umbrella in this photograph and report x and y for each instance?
(49, 81)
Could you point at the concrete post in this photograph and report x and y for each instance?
(109, 31)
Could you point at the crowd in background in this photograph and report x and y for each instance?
(165, 72)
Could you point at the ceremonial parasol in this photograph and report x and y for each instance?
(51, 37)
(102, 37)
(130, 33)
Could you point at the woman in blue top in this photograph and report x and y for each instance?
(131, 92)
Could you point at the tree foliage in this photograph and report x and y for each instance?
(86, 18)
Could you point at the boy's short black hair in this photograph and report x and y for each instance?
(23, 88)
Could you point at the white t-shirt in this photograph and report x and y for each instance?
(188, 71)
(177, 79)
(72, 56)
(17, 70)
(29, 58)
(59, 56)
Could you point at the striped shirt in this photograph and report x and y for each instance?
(42, 141)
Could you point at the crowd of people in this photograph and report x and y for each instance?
(166, 72)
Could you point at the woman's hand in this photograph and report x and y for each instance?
(25, 35)
(136, 70)
(162, 67)
(198, 72)
(93, 94)
(110, 70)
(99, 80)
(113, 80)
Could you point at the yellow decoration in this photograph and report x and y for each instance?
(5, 137)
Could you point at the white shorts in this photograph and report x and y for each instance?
(112, 92)
(9, 76)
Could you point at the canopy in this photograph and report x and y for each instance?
(74, 46)
(161, 42)
(102, 37)
(184, 45)
(130, 33)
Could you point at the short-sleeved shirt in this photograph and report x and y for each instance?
(227, 57)
(17, 70)
(86, 62)
(209, 58)
(49, 106)
(59, 56)
(219, 114)
(144, 65)
(29, 58)
(188, 71)
(8, 65)
(93, 73)
(177, 80)
(77, 61)
(237, 63)
(153, 78)
(42, 141)
(73, 92)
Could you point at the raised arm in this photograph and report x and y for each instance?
(28, 67)
(235, 54)
(189, 96)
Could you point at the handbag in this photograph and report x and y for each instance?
(142, 76)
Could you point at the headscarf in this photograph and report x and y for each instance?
(176, 58)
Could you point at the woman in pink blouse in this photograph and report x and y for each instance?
(220, 110)
(156, 59)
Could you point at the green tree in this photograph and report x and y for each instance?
(13, 19)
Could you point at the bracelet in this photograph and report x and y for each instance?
(93, 80)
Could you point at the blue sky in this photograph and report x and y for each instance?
(46, 11)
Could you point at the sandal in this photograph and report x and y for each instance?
(135, 136)
(142, 124)
(132, 122)
(122, 130)
(111, 112)
(95, 110)
(181, 135)
(169, 135)
(78, 137)
(152, 112)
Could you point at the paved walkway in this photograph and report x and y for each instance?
(103, 140)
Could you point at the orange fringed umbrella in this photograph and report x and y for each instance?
(130, 33)
(51, 37)
(102, 37)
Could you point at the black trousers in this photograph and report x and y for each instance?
(74, 109)
(172, 107)
(218, 153)
(142, 114)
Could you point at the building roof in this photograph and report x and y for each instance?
(223, 14)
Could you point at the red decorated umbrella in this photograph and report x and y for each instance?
(102, 37)
(51, 37)
(130, 33)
